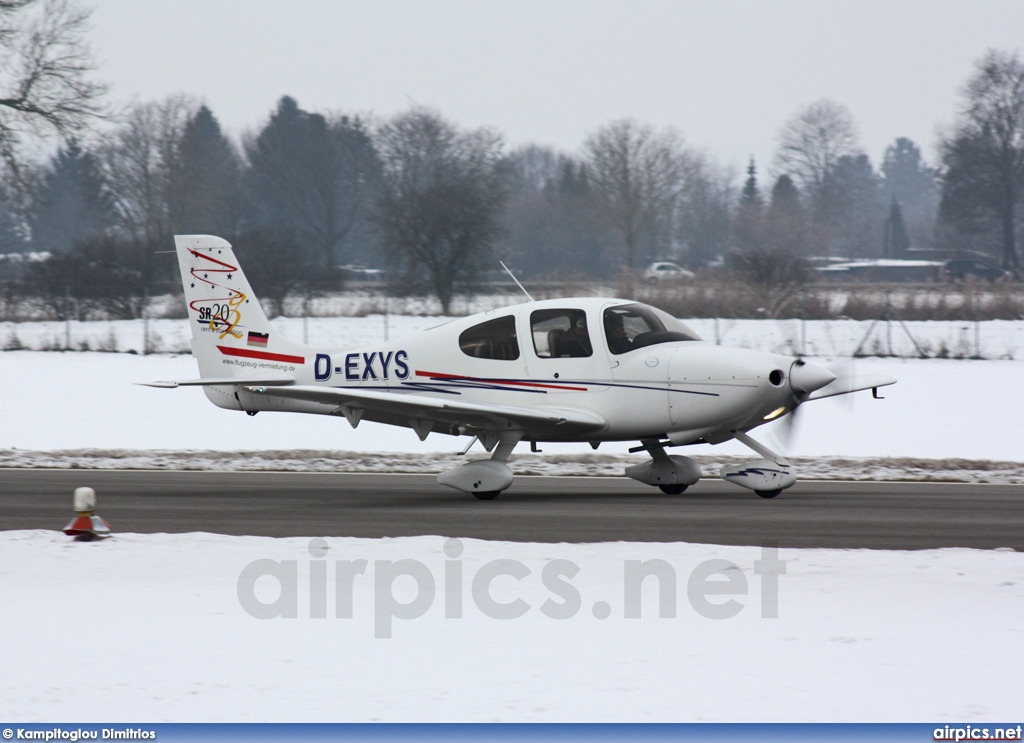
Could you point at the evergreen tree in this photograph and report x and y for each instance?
(12, 233)
(751, 195)
(205, 179)
(910, 181)
(311, 177)
(72, 204)
(747, 225)
(851, 209)
(549, 229)
(787, 226)
(895, 242)
(785, 201)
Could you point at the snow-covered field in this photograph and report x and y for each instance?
(996, 339)
(940, 409)
(159, 627)
(152, 627)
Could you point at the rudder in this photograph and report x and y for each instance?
(231, 335)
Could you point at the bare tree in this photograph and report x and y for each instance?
(811, 143)
(139, 165)
(45, 74)
(703, 211)
(774, 275)
(100, 278)
(984, 154)
(636, 175)
(441, 198)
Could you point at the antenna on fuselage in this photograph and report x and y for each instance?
(509, 271)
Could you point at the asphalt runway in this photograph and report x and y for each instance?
(874, 515)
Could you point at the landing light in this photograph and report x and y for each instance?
(775, 413)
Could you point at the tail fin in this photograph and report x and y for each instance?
(231, 336)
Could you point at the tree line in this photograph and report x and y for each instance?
(436, 204)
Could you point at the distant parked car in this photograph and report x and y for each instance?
(359, 273)
(959, 269)
(664, 272)
(882, 269)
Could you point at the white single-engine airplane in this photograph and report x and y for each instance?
(587, 369)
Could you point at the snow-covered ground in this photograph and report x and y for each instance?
(160, 627)
(152, 627)
(995, 339)
(940, 409)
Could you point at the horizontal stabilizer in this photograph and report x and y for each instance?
(845, 385)
(211, 381)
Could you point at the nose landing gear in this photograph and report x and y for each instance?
(768, 477)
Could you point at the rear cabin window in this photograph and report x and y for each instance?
(631, 326)
(559, 334)
(494, 339)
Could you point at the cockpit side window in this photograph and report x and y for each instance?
(560, 333)
(494, 339)
(631, 326)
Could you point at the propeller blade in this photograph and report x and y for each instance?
(788, 429)
(844, 368)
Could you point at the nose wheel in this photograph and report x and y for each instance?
(673, 489)
(767, 478)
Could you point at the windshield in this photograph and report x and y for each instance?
(632, 326)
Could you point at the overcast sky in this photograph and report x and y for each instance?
(726, 73)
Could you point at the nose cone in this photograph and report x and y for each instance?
(807, 378)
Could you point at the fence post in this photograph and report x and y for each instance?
(977, 325)
(714, 302)
(305, 318)
(145, 321)
(67, 319)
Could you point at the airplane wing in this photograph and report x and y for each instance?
(845, 385)
(209, 381)
(421, 412)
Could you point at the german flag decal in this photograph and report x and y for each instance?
(259, 340)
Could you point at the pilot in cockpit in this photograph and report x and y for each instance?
(615, 331)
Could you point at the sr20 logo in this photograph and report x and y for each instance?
(216, 312)
(222, 317)
(359, 367)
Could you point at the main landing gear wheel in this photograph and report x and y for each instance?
(487, 495)
(768, 493)
(673, 489)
